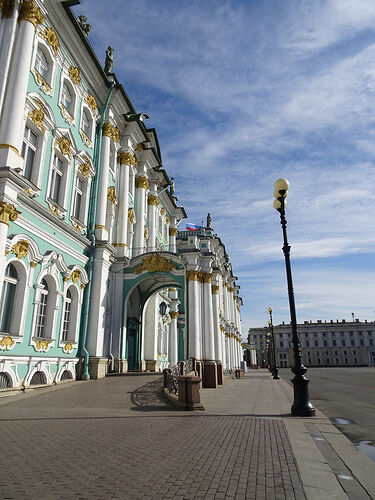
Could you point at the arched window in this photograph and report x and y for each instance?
(67, 99)
(29, 147)
(7, 298)
(41, 64)
(41, 312)
(86, 123)
(67, 315)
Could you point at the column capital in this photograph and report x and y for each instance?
(30, 12)
(111, 131)
(7, 8)
(8, 213)
(127, 158)
(173, 231)
(174, 314)
(215, 289)
(141, 182)
(153, 200)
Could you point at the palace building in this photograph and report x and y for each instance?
(323, 343)
(97, 277)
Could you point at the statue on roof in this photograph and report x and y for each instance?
(171, 184)
(209, 221)
(85, 27)
(108, 66)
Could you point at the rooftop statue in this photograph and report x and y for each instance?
(209, 221)
(108, 60)
(85, 27)
(171, 184)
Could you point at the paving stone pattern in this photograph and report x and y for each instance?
(174, 455)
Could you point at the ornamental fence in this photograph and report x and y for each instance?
(171, 374)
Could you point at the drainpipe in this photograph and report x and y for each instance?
(91, 228)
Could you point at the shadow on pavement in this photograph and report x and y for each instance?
(149, 397)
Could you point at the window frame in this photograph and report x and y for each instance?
(47, 83)
(20, 298)
(51, 306)
(61, 203)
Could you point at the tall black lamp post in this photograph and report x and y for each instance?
(301, 406)
(275, 370)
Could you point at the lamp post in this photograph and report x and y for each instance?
(275, 371)
(301, 406)
(268, 355)
(269, 346)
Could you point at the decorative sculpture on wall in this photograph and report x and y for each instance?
(155, 263)
(108, 66)
(85, 27)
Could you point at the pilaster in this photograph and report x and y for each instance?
(141, 188)
(101, 232)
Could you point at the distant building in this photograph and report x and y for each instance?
(332, 343)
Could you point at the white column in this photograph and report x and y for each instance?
(172, 235)
(123, 205)
(216, 321)
(96, 325)
(8, 26)
(7, 213)
(153, 203)
(224, 347)
(208, 332)
(142, 185)
(194, 315)
(15, 95)
(173, 333)
(101, 232)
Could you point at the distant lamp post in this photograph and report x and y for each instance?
(301, 406)
(268, 355)
(275, 370)
(269, 345)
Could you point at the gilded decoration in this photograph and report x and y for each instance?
(37, 116)
(85, 139)
(162, 211)
(155, 263)
(64, 146)
(83, 286)
(139, 147)
(41, 82)
(68, 348)
(167, 220)
(215, 289)
(173, 231)
(174, 314)
(110, 131)
(131, 215)
(192, 275)
(21, 249)
(7, 8)
(52, 39)
(75, 276)
(128, 159)
(230, 289)
(200, 276)
(33, 264)
(8, 213)
(30, 12)
(91, 102)
(42, 345)
(6, 343)
(84, 168)
(145, 232)
(75, 74)
(66, 115)
(153, 200)
(111, 194)
(141, 182)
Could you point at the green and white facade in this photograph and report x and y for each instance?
(89, 244)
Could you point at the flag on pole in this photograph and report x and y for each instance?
(192, 227)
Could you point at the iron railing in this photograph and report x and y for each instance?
(171, 374)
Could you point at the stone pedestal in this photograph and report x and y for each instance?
(220, 374)
(188, 392)
(209, 379)
(121, 366)
(98, 367)
(152, 366)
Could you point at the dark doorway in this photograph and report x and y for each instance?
(132, 344)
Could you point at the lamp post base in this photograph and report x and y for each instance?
(301, 406)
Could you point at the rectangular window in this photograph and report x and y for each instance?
(334, 343)
(343, 343)
(361, 342)
(79, 192)
(352, 342)
(28, 152)
(55, 190)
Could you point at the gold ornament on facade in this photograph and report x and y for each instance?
(84, 168)
(173, 231)
(68, 348)
(192, 275)
(52, 39)
(215, 289)
(174, 314)
(111, 194)
(75, 74)
(162, 211)
(131, 215)
(42, 345)
(83, 286)
(21, 249)
(107, 129)
(115, 134)
(75, 276)
(30, 12)
(139, 147)
(6, 343)
(41, 82)
(153, 200)
(91, 102)
(167, 220)
(141, 182)
(7, 8)
(155, 263)
(65, 279)
(33, 264)
(8, 213)
(64, 146)
(37, 116)
(128, 159)
(145, 232)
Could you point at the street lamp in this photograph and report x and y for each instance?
(275, 371)
(301, 406)
(269, 345)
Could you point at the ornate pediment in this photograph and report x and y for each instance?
(153, 263)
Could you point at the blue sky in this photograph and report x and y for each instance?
(242, 93)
